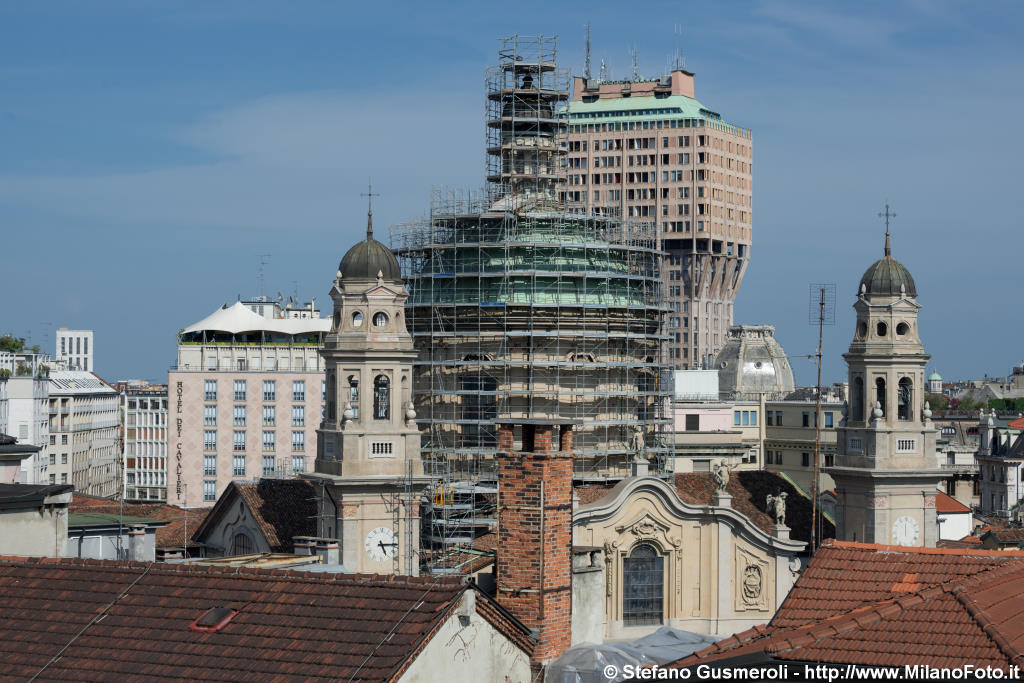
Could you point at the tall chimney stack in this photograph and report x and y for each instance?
(535, 533)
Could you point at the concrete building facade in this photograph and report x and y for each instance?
(74, 349)
(144, 442)
(244, 398)
(85, 409)
(27, 389)
(647, 150)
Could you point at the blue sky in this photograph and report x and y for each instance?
(152, 151)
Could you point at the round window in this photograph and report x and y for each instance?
(357, 320)
(380, 320)
(902, 328)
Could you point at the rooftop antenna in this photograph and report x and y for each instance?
(887, 215)
(604, 71)
(264, 259)
(821, 310)
(636, 65)
(586, 67)
(46, 334)
(679, 62)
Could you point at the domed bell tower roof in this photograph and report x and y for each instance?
(886, 277)
(368, 258)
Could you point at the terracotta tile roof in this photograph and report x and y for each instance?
(965, 542)
(1012, 535)
(172, 535)
(947, 505)
(749, 491)
(289, 626)
(589, 493)
(876, 605)
(1016, 424)
(282, 508)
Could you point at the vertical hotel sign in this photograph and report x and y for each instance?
(177, 447)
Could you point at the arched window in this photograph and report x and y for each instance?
(905, 399)
(330, 396)
(353, 395)
(357, 319)
(858, 399)
(380, 319)
(381, 398)
(241, 544)
(643, 586)
(880, 393)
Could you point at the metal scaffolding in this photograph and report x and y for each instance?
(523, 313)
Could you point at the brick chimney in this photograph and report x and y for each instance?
(535, 533)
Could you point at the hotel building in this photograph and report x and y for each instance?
(144, 449)
(244, 398)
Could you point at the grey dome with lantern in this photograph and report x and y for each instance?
(887, 277)
(368, 258)
(752, 363)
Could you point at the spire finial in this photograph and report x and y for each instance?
(887, 215)
(369, 194)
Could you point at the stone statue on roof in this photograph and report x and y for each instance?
(720, 473)
(777, 506)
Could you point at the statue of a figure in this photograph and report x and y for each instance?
(637, 443)
(777, 506)
(720, 473)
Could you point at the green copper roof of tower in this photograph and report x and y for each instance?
(886, 275)
(646, 108)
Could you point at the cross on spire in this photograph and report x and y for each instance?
(369, 194)
(887, 215)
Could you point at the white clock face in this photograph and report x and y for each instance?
(905, 531)
(381, 544)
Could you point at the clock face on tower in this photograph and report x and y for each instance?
(381, 544)
(905, 531)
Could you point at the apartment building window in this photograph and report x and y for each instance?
(210, 440)
(53, 458)
(805, 419)
(269, 466)
(269, 439)
(298, 441)
(210, 416)
(209, 491)
(768, 419)
(298, 464)
(239, 441)
(298, 416)
(830, 460)
(299, 390)
(210, 390)
(63, 458)
(269, 390)
(209, 465)
(238, 466)
(805, 459)
(239, 389)
(829, 420)
(778, 418)
(693, 422)
(239, 416)
(269, 415)
(64, 478)
(53, 478)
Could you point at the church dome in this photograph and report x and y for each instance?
(752, 362)
(369, 257)
(886, 275)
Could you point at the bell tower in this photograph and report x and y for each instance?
(887, 467)
(368, 446)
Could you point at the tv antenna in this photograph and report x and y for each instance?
(604, 71)
(678, 62)
(636, 64)
(264, 259)
(586, 64)
(821, 309)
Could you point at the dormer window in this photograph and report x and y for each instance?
(380, 319)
